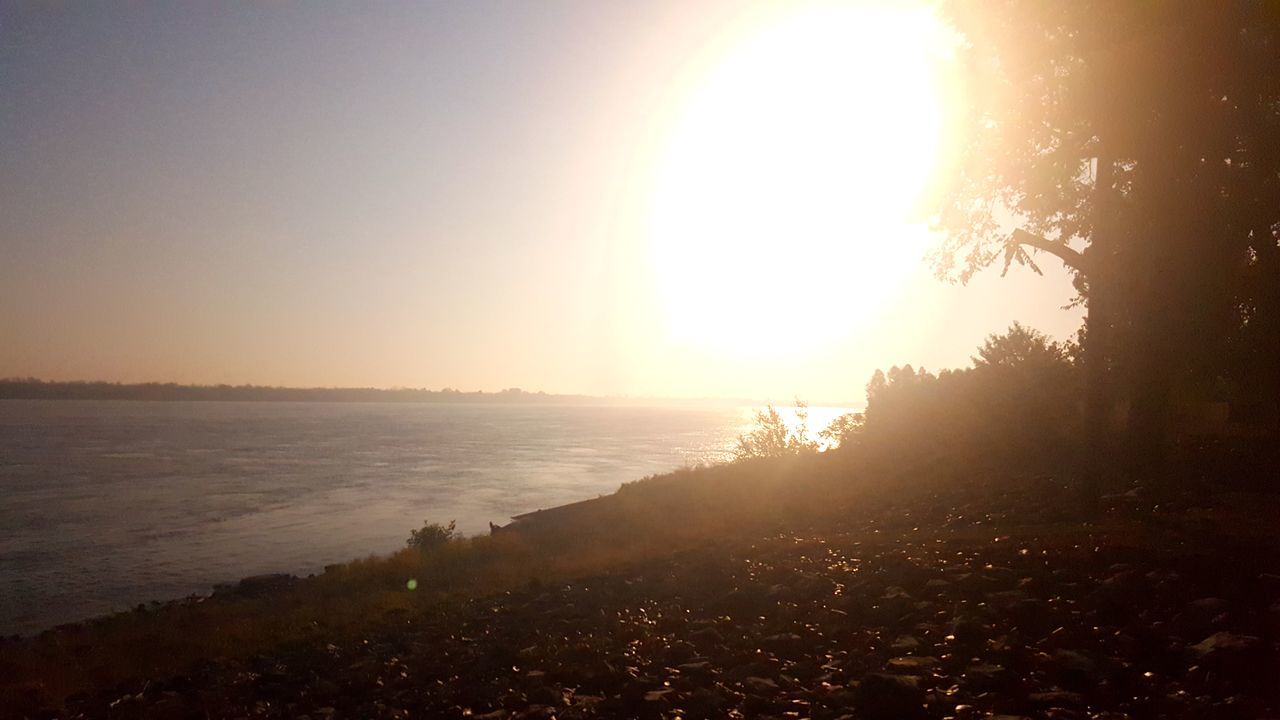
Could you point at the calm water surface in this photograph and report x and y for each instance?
(107, 504)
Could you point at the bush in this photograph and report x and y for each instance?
(772, 437)
(432, 535)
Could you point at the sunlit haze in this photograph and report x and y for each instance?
(649, 199)
(789, 180)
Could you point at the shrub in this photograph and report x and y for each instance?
(432, 535)
(772, 438)
(844, 431)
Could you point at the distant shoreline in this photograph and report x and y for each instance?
(33, 389)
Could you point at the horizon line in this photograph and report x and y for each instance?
(447, 390)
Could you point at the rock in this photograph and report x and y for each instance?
(1006, 598)
(168, 708)
(1121, 584)
(1225, 643)
(744, 601)
(778, 592)
(325, 690)
(986, 677)
(890, 697)
(1032, 615)
(1203, 614)
(545, 695)
(905, 643)
(1234, 655)
(1074, 670)
(259, 585)
(1056, 698)
(655, 696)
(680, 651)
(1209, 606)
(782, 641)
(704, 702)
(760, 686)
(893, 592)
(911, 664)
(1270, 582)
(967, 631)
(695, 668)
(896, 601)
(707, 637)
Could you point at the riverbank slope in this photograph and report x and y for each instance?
(817, 586)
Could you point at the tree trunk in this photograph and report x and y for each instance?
(1096, 406)
(1148, 431)
(1098, 341)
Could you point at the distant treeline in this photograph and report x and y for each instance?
(34, 389)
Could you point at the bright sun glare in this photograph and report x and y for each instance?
(786, 203)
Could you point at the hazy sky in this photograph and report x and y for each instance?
(425, 194)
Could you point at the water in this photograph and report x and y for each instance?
(104, 505)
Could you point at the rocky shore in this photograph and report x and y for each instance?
(944, 609)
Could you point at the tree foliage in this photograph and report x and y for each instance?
(1139, 143)
(1020, 400)
(772, 437)
(1020, 347)
(844, 431)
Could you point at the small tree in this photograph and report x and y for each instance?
(432, 535)
(1021, 347)
(772, 438)
(843, 430)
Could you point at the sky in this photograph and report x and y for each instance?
(651, 199)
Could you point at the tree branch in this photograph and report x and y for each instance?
(1069, 257)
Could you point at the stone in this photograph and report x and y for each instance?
(782, 640)
(905, 643)
(1074, 670)
(257, 586)
(986, 677)
(1225, 643)
(1056, 698)
(890, 697)
(760, 686)
(654, 696)
(911, 664)
(707, 636)
(695, 668)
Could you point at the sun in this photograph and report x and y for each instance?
(786, 203)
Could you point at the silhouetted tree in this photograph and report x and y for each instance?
(1020, 347)
(844, 431)
(771, 437)
(1137, 143)
(1017, 404)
